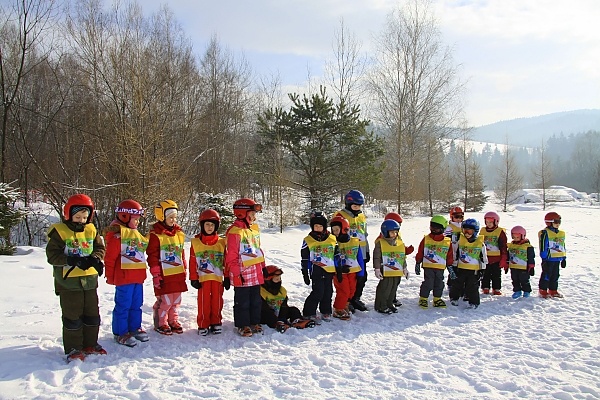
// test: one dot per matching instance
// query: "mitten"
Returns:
(531, 270)
(74, 261)
(226, 283)
(451, 272)
(157, 281)
(378, 274)
(86, 263)
(418, 268)
(563, 263)
(195, 283)
(305, 276)
(339, 276)
(97, 264)
(408, 250)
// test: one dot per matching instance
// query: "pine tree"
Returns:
(10, 216)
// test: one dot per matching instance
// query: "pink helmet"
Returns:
(493, 216)
(519, 230)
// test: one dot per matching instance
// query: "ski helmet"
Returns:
(342, 223)
(493, 216)
(552, 217)
(273, 271)
(242, 206)
(438, 221)
(318, 217)
(471, 223)
(519, 230)
(128, 209)
(395, 216)
(456, 212)
(77, 203)
(209, 215)
(387, 226)
(161, 208)
(354, 197)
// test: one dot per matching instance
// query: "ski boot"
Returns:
(439, 303)
(423, 302)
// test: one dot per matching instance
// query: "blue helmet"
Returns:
(389, 225)
(471, 223)
(354, 197)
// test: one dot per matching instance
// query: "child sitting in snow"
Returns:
(521, 262)
(275, 311)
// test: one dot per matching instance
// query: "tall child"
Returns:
(353, 202)
(207, 261)
(495, 241)
(553, 253)
(126, 269)
(244, 265)
(168, 265)
(75, 251)
(521, 257)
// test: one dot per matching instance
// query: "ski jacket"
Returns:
(166, 258)
(552, 244)
(435, 251)
(125, 259)
(244, 259)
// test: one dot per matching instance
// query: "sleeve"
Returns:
(450, 257)
(305, 257)
(377, 258)
(543, 245)
(336, 257)
(530, 256)
(232, 259)
(99, 247)
(502, 244)
(420, 251)
(484, 257)
(193, 265)
(55, 249)
(361, 261)
(112, 256)
(153, 253)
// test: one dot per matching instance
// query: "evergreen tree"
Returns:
(10, 216)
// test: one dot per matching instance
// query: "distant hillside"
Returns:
(530, 132)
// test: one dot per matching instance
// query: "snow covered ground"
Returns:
(528, 348)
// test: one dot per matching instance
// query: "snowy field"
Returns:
(506, 349)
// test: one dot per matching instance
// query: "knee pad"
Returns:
(91, 321)
(72, 324)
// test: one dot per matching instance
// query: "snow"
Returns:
(506, 349)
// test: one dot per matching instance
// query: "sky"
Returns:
(506, 349)
(520, 58)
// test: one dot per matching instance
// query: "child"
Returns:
(495, 241)
(470, 261)
(353, 202)
(75, 251)
(166, 258)
(553, 254)
(244, 264)
(389, 262)
(453, 232)
(351, 263)
(521, 257)
(319, 253)
(434, 255)
(275, 311)
(207, 259)
(126, 269)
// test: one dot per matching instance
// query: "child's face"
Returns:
(468, 233)
(355, 207)
(318, 228)
(134, 221)
(209, 227)
(489, 222)
(80, 217)
(171, 219)
(393, 234)
(458, 217)
(276, 278)
(336, 230)
(251, 217)
(516, 237)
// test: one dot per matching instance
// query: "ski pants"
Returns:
(344, 290)
(166, 309)
(246, 305)
(492, 274)
(361, 280)
(321, 294)
(210, 304)
(127, 314)
(286, 314)
(386, 292)
(80, 318)
(468, 280)
(433, 279)
(549, 276)
(520, 280)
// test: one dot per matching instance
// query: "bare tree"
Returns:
(510, 179)
(543, 173)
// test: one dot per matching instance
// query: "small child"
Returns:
(495, 241)
(319, 255)
(389, 262)
(207, 260)
(452, 231)
(521, 257)
(275, 311)
(126, 269)
(553, 253)
(168, 265)
(351, 264)
(75, 251)
(434, 255)
(470, 261)
(245, 267)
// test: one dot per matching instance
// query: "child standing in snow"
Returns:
(389, 262)
(275, 311)
(553, 253)
(244, 265)
(435, 256)
(471, 260)
(453, 232)
(75, 251)
(126, 269)
(351, 263)
(166, 258)
(319, 254)
(353, 202)
(521, 262)
(495, 241)
(207, 260)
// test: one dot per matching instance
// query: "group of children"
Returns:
(79, 255)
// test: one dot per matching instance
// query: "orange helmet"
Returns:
(75, 204)
(273, 271)
(552, 217)
(393, 215)
(342, 223)
(242, 206)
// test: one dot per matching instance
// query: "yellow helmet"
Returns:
(162, 207)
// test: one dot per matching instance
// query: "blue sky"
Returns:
(521, 58)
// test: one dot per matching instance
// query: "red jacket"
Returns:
(171, 283)
(112, 260)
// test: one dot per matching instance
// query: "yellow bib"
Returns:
(79, 244)
(171, 252)
(392, 258)
(210, 259)
(469, 253)
(322, 253)
(133, 249)
(435, 253)
(250, 251)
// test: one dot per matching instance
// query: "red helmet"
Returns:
(518, 230)
(127, 209)
(209, 215)
(342, 222)
(75, 203)
(493, 216)
(273, 271)
(242, 206)
(393, 215)
(456, 210)
(552, 217)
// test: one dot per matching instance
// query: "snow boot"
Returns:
(516, 294)
(544, 294)
(281, 327)
(396, 303)
(526, 294)
(245, 331)
(485, 291)
(75, 355)
(97, 349)
(341, 314)
(202, 331)
(387, 311)
(438, 302)
(126, 340)
(472, 306)
(257, 329)
(454, 302)
(176, 327)
(216, 329)
(303, 323)
(140, 335)
(394, 309)
(326, 317)
(359, 305)
(314, 319)
(497, 292)
(164, 330)
(423, 302)
(554, 293)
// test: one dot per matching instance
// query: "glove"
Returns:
(378, 274)
(418, 268)
(305, 276)
(157, 281)
(86, 262)
(563, 263)
(408, 250)
(75, 261)
(339, 276)
(226, 283)
(195, 283)
(531, 271)
(367, 258)
(345, 269)
(97, 264)
(451, 273)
